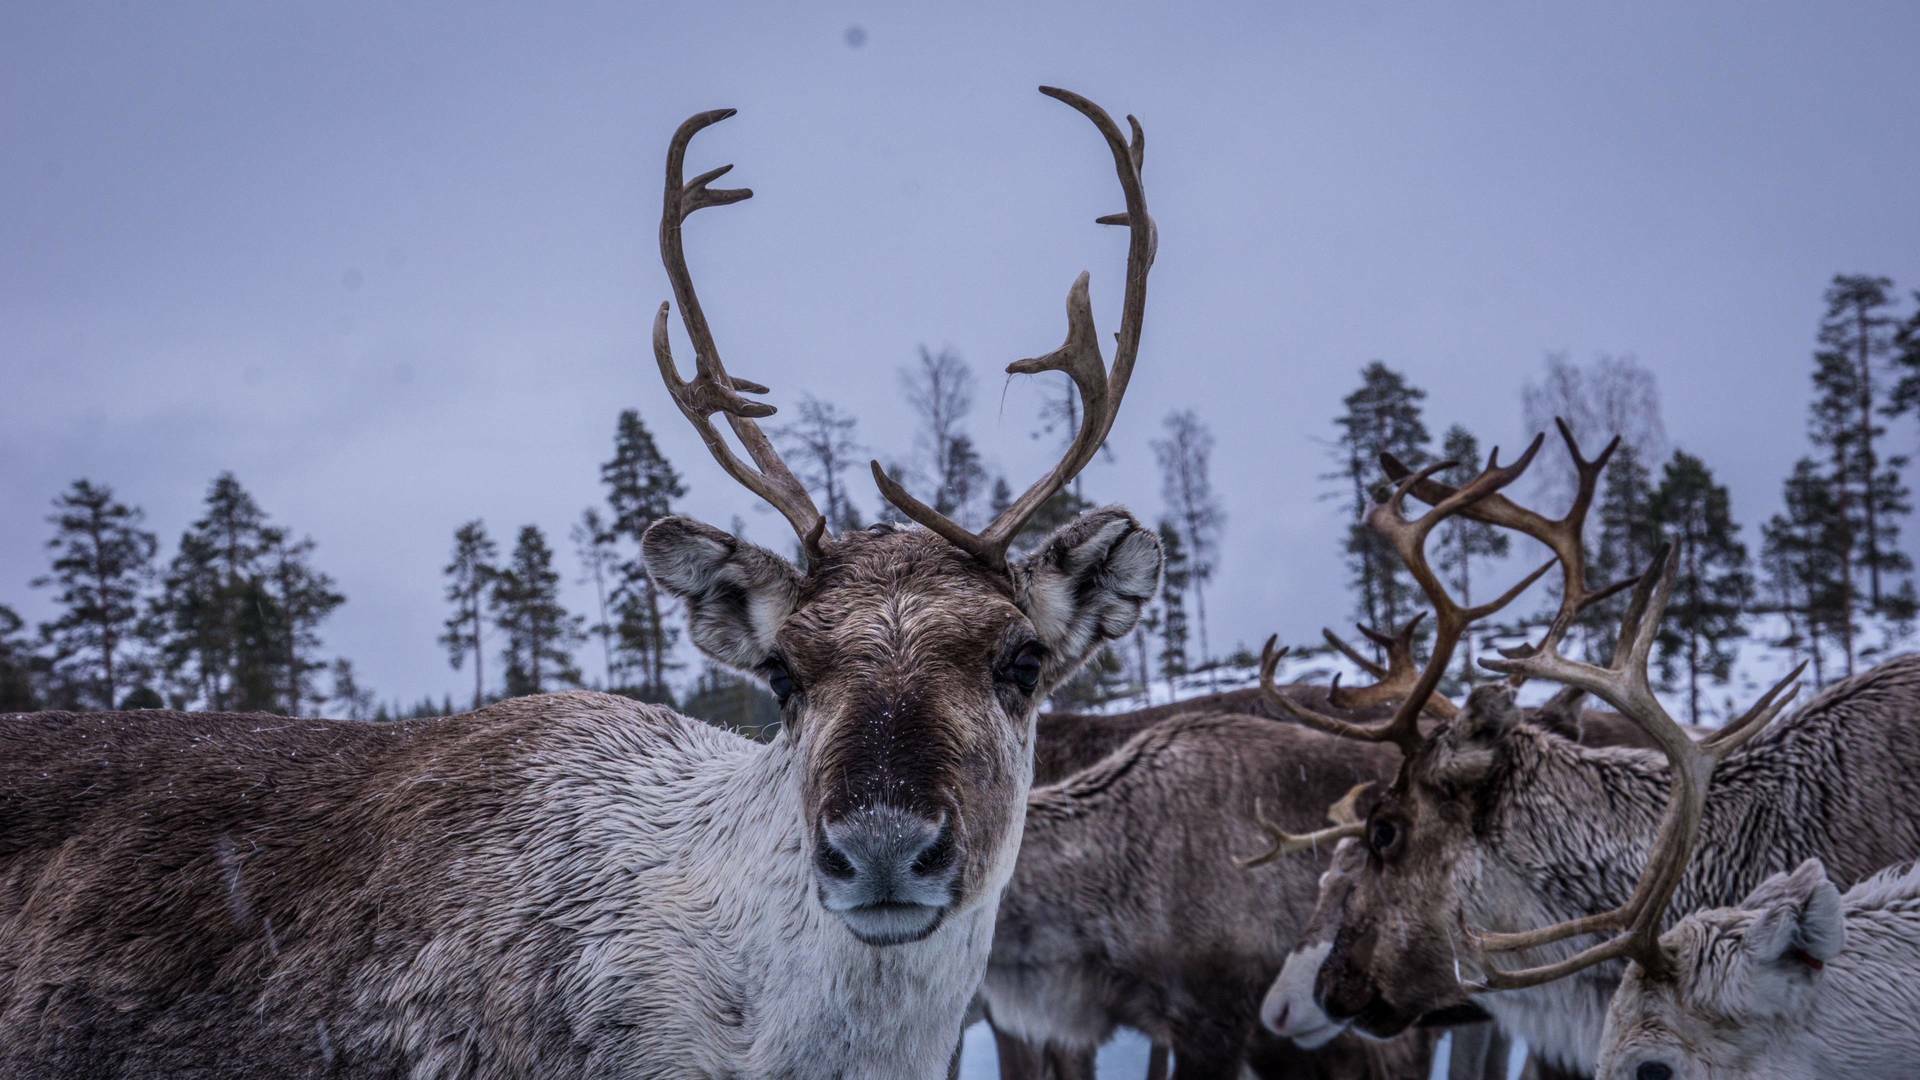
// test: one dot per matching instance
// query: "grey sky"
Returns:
(395, 267)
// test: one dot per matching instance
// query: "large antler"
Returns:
(712, 390)
(1564, 537)
(1100, 390)
(1624, 684)
(1393, 681)
(1345, 816)
(1452, 619)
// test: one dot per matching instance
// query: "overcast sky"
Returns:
(394, 265)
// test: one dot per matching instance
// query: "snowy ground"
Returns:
(1760, 663)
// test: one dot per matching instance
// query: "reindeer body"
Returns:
(1797, 982)
(1127, 907)
(558, 886)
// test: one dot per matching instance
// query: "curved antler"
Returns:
(1564, 537)
(712, 390)
(1625, 685)
(1393, 682)
(1345, 816)
(1079, 357)
(1409, 540)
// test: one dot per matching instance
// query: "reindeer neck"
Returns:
(819, 1002)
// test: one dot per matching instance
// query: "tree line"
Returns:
(1829, 559)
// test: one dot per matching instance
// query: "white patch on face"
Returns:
(1289, 1009)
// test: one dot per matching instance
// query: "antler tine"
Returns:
(1409, 540)
(1624, 683)
(1100, 389)
(1270, 657)
(1344, 814)
(1393, 682)
(712, 390)
(1563, 536)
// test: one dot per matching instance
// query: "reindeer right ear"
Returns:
(737, 595)
(1799, 924)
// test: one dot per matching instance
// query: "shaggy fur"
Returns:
(1505, 826)
(571, 885)
(1796, 983)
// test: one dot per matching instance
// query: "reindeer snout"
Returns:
(887, 872)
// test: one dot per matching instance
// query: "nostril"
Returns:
(938, 856)
(1280, 1018)
(830, 861)
(1653, 1070)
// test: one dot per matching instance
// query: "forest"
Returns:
(232, 616)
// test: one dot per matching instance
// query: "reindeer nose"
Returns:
(885, 855)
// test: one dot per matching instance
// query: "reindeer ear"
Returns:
(1465, 751)
(1086, 585)
(1799, 925)
(737, 595)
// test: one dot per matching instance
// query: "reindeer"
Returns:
(1796, 981)
(578, 885)
(1087, 942)
(1495, 822)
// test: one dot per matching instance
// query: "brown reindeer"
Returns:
(578, 885)
(1493, 822)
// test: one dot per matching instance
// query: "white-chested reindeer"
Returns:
(1796, 982)
(577, 885)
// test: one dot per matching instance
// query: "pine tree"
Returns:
(469, 575)
(540, 634)
(1906, 359)
(217, 643)
(1703, 620)
(1805, 556)
(16, 665)
(1382, 416)
(102, 567)
(1176, 575)
(641, 486)
(1462, 540)
(301, 599)
(822, 445)
(1855, 336)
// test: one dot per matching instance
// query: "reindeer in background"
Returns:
(579, 885)
(1492, 821)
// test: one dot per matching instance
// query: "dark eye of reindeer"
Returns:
(1653, 1070)
(779, 679)
(1382, 835)
(1024, 669)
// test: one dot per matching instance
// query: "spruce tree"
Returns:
(1702, 622)
(1855, 338)
(1626, 537)
(354, 701)
(216, 642)
(1804, 551)
(1176, 576)
(469, 575)
(641, 485)
(540, 634)
(1382, 416)
(1462, 540)
(593, 545)
(102, 568)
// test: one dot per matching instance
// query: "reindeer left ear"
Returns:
(1799, 924)
(1086, 585)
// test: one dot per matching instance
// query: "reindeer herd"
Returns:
(1287, 881)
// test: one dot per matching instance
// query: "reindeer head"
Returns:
(1388, 941)
(909, 663)
(1737, 986)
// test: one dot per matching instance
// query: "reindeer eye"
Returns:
(779, 679)
(1024, 669)
(1382, 835)
(1653, 1070)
